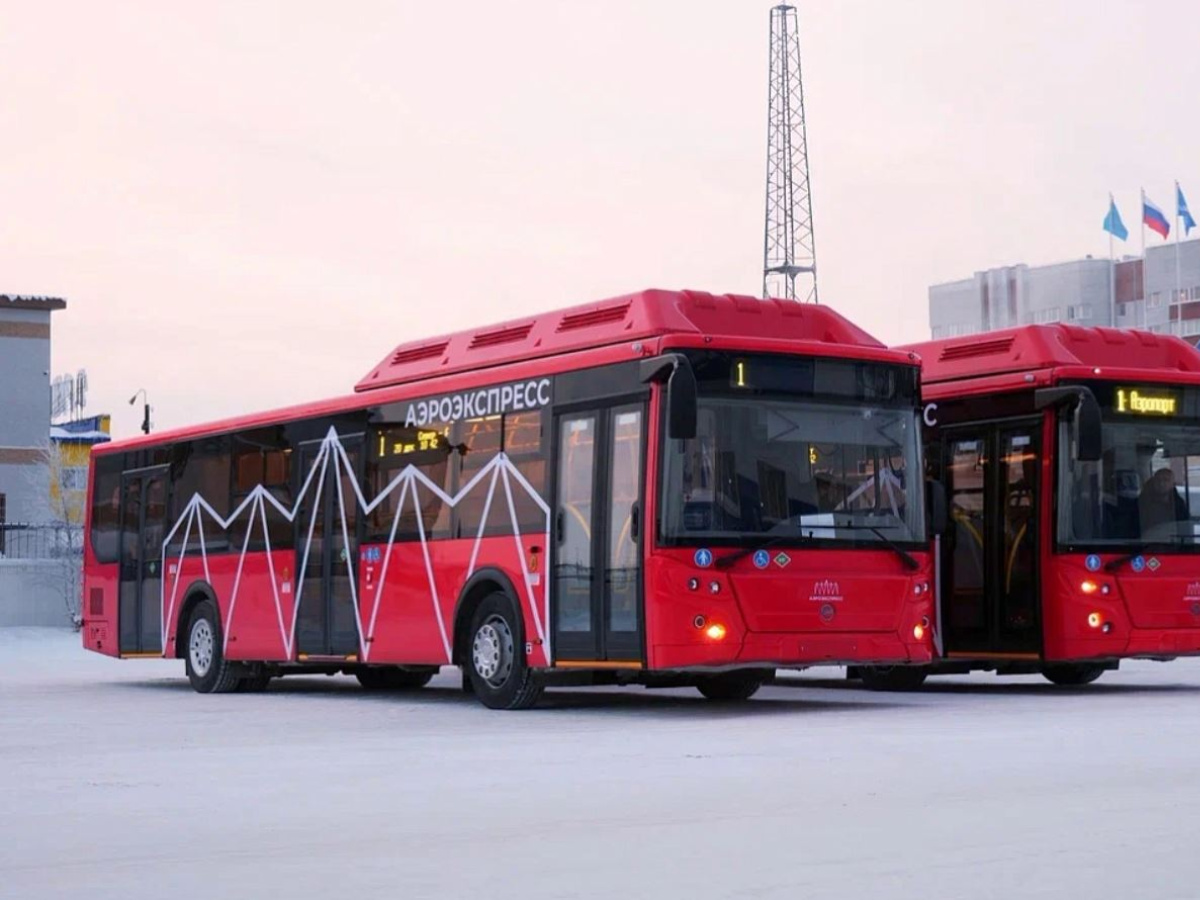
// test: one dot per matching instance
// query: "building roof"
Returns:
(19, 301)
(1032, 347)
(620, 320)
(65, 436)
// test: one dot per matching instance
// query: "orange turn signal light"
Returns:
(1095, 619)
(1089, 586)
(715, 631)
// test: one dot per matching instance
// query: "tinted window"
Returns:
(261, 458)
(393, 448)
(106, 505)
(200, 467)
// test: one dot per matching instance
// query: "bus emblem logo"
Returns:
(1137, 563)
(1092, 563)
(703, 558)
(826, 612)
(1152, 563)
(826, 591)
(782, 560)
(1193, 591)
(762, 559)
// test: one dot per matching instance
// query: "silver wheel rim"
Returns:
(200, 647)
(492, 651)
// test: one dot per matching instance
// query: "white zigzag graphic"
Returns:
(500, 468)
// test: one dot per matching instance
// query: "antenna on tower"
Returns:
(788, 247)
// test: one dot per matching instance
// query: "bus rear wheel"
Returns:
(392, 678)
(893, 678)
(255, 683)
(207, 669)
(500, 676)
(1072, 674)
(732, 687)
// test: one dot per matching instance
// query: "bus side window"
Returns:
(106, 505)
(524, 444)
(391, 450)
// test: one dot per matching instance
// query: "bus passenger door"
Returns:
(991, 590)
(143, 517)
(326, 574)
(597, 568)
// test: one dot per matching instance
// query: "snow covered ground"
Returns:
(116, 780)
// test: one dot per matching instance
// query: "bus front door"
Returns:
(597, 594)
(990, 586)
(327, 538)
(143, 518)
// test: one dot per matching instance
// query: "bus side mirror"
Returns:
(1087, 417)
(1087, 428)
(935, 501)
(681, 392)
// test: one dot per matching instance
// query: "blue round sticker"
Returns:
(1138, 563)
(762, 558)
(1092, 562)
(703, 558)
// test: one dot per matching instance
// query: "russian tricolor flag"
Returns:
(1153, 218)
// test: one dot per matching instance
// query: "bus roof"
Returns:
(632, 317)
(637, 317)
(1038, 347)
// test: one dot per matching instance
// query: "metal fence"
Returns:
(43, 541)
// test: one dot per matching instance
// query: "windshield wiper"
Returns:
(906, 557)
(1113, 564)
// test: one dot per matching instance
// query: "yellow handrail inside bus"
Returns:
(965, 520)
(584, 523)
(1012, 557)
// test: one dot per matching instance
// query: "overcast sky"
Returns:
(248, 204)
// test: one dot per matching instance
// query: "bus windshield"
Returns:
(1145, 489)
(834, 459)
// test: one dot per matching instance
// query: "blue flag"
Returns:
(1112, 222)
(1181, 205)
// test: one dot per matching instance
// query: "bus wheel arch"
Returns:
(479, 587)
(195, 594)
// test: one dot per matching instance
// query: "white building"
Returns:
(1160, 294)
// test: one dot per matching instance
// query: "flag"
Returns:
(1153, 218)
(1112, 222)
(1182, 210)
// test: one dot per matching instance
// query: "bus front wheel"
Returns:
(207, 669)
(1072, 674)
(732, 686)
(500, 676)
(893, 678)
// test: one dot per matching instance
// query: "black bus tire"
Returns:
(893, 678)
(500, 676)
(391, 678)
(733, 687)
(1072, 674)
(207, 669)
(254, 683)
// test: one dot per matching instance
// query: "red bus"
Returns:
(663, 488)
(1070, 460)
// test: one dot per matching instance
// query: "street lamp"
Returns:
(145, 408)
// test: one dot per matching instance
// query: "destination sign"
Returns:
(1146, 401)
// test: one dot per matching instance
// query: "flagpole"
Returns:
(1178, 283)
(1145, 298)
(1112, 278)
